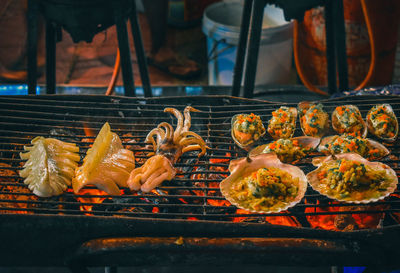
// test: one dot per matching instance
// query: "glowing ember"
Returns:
(23, 194)
(216, 192)
(344, 222)
(273, 220)
(290, 221)
(396, 215)
(93, 197)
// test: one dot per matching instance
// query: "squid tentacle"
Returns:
(188, 118)
(179, 117)
(184, 135)
(169, 130)
(150, 138)
(159, 167)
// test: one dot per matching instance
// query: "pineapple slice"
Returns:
(50, 166)
(106, 164)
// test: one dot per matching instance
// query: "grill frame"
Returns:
(40, 230)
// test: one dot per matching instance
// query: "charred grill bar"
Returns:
(186, 219)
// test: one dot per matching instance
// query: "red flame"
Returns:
(89, 133)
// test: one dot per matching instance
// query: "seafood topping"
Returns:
(106, 164)
(50, 166)
(168, 147)
(265, 188)
(382, 122)
(246, 129)
(289, 150)
(365, 147)
(347, 119)
(314, 121)
(264, 184)
(283, 122)
(351, 178)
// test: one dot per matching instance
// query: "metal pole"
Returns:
(241, 49)
(140, 54)
(123, 44)
(340, 38)
(32, 46)
(50, 58)
(254, 44)
(330, 46)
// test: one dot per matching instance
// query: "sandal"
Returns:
(176, 67)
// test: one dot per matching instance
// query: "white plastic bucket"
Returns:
(221, 25)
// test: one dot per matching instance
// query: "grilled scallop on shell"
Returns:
(243, 140)
(243, 167)
(287, 151)
(50, 166)
(382, 122)
(283, 122)
(367, 148)
(347, 119)
(314, 121)
(362, 195)
(106, 165)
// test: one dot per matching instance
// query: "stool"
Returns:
(83, 19)
(252, 18)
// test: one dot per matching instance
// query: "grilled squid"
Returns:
(106, 165)
(168, 145)
(50, 166)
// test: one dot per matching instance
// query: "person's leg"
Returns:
(162, 56)
(157, 16)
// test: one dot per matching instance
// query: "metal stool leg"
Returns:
(110, 269)
(140, 54)
(340, 38)
(330, 47)
(32, 46)
(123, 44)
(254, 44)
(50, 58)
(241, 49)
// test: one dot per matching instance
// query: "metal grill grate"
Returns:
(194, 193)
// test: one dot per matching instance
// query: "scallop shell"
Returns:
(371, 128)
(244, 166)
(372, 144)
(248, 145)
(293, 111)
(336, 124)
(305, 141)
(305, 105)
(319, 161)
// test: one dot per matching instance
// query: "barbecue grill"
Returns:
(186, 220)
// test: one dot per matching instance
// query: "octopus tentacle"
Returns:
(179, 117)
(188, 118)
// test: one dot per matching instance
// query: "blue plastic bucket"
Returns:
(221, 25)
